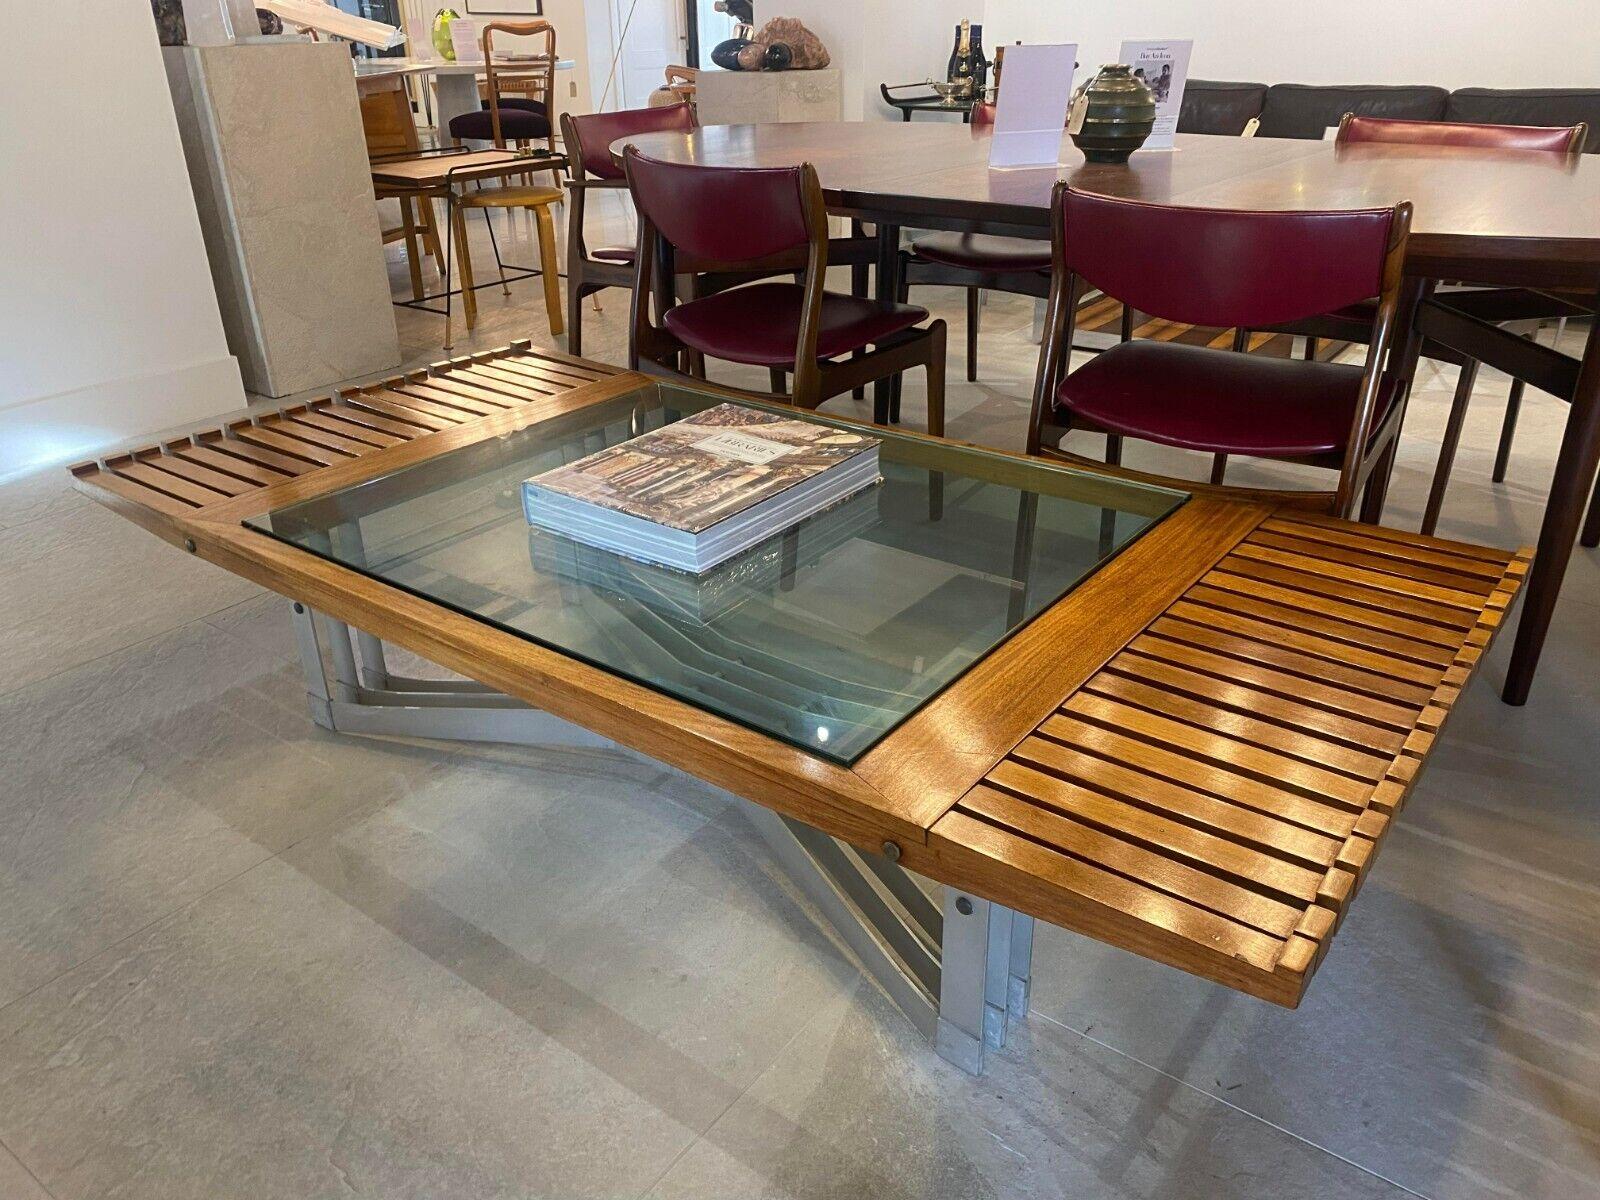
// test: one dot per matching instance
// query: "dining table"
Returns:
(1495, 218)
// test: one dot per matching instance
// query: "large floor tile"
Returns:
(16, 1181)
(581, 894)
(137, 782)
(37, 495)
(85, 582)
(859, 1106)
(272, 1041)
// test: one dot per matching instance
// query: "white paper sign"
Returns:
(1164, 68)
(464, 40)
(1031, 112)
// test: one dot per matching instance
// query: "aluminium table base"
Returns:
(960, 971)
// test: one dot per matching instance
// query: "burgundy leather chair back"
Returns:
(983, 113)
(1222, 267)
(597, 131)
(1554, 139)
(721, 214)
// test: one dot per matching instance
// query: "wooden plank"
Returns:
(541, 371)
(217, 481)
(1298, 743)
(160, 481)
(1474, 583)
(398, 431)
(1243, 865)
(240, 468)
(1133, 862)
(1202, 776)
(317, 436)
(1382, 581)
(458, 398)
(1269, 766)
(1317, 645)
(1398, 537)
(1271, 706)
(1336, 629)
(1078, 896)
(272, 439)
(1221, 817)
(1292, 687)
(1381, 602)
(1378, 548)
(235, 447)
(1324, 604)
(325, 420)
(1284, 658)
(411, 408)
(134, 493)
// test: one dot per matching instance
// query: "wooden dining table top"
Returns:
(1483, 216)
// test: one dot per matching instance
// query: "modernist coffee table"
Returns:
(1180, 724)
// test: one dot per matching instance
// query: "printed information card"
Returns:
(464, 41)
(1164, 69)
(1031, 112)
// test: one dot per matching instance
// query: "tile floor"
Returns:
(240, 957)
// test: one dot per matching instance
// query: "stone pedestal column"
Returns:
(272, 135)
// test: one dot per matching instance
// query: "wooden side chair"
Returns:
(517, 97)
(739, 219)
(1480, 302)
(1227, 269)
(587, 141)
(390, 130)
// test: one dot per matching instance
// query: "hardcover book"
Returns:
(698, 491)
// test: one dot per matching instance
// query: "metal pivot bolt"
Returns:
(188, 544)
(891, 851)
(964, 906)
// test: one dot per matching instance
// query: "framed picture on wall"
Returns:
(504, 8)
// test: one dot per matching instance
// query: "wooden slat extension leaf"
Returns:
(1215, 794)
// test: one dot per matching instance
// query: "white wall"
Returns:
(108, 322)
(1451, 43)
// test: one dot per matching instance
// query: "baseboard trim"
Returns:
(89, 421)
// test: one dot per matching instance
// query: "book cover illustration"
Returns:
(705, 468)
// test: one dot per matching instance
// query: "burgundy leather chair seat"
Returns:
(760, 324)
(1217, 400)
(621, 254)
(516, 124)
(983, 252)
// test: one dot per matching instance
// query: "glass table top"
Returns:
(827, 635)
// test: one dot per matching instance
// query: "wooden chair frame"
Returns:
(1364, 464)
(545, 76)
(656, 351)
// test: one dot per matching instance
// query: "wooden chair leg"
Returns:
(413, 250)
(430, 231)
(1219, 468)
(1377, 489)
(775, 376)
(574, 315)
(1125, 328)
(936, 355)
(548, 273)
(974, 307)
(1447, 447)
(1113, 449)
(469, 298)
(1311, 349)
(1508, 431)
(1591, 525)
(697, 364)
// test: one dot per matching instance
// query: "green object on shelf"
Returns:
(441, 33)
(1120, 114)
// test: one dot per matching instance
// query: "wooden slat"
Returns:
(135, 493)
(398, 431)
(1472, 583)
(1133, 862)
(452, 397)
(1382, 581)
(1334, 628)
(235, 447)
(412, 408)
(1378, 548)
(239, 467)
(160, 481)
(217, 481)
(1399, 537)
(316, 436)
(1285, 658)
(272, 439)
(1322, 603)
(1307, 579)
(324, 420)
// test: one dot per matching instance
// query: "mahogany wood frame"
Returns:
(1367, 457)
(653, 348)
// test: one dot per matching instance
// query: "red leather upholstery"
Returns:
(1551, 139)
(983, 252)
(760, 324)
(516, 125)
(983, 114)
(721, 214)
(597, 132)
(1219, 401)
(1221, 267)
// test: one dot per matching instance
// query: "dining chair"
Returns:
(587, 141)
(1228, 269)
(1557, 140)
(517, 98)
(737, 219)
